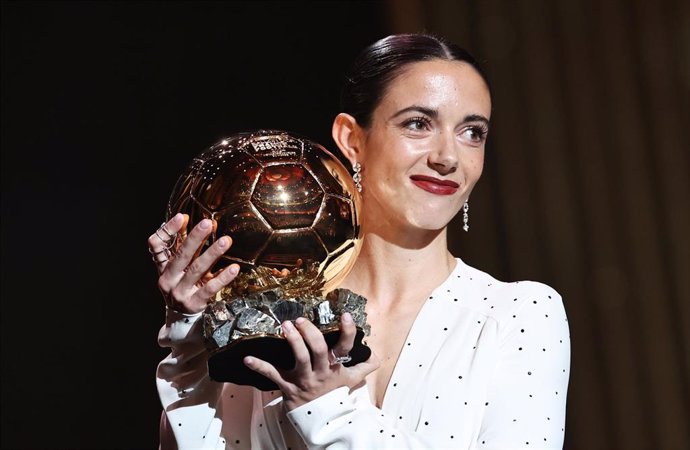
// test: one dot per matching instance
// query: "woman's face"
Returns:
(424, 150)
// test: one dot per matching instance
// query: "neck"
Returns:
(399, 265)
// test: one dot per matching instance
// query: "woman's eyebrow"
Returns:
(433, 113)
(476, 118)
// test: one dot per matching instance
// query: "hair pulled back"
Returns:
(378, 64)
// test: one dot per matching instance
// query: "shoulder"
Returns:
(509, 303)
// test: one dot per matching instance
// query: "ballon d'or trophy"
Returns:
(292, 211)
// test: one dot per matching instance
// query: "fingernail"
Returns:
(222, 242)
(347, 317)
(205, 224)
(288, 327)
(234, 270)
(248, 360)
(300, 320)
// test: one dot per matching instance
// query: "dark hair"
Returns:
(378, 64)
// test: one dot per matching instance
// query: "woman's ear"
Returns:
(347, 136)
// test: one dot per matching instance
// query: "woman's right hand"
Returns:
(184, 274)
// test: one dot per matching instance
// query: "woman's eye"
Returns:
(417, 124)
(475, 134)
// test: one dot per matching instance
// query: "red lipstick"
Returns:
(435, 185)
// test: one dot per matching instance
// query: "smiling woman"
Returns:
(460, 359)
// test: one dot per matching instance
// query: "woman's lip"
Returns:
(434, 185)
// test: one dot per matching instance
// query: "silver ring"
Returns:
(166, 253)
(340, 359)
(170, 240)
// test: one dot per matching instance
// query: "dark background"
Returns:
(585, 186)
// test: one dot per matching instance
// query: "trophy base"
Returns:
(226, 364)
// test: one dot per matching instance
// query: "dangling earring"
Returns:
(465, 216)
(357, 177)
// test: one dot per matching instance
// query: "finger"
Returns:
(314, 339)
(158, 242)
(359, 372)
(348, 331)
(185, 254)
(201, 265)
(266, 369)
(202, 297)
(299, 348)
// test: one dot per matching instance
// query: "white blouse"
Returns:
(485, 366)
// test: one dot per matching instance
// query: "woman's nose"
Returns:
(444, 157)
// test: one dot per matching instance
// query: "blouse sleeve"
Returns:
(192, 416)
(527, 395)
(336, 421)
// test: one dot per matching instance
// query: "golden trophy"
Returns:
(292, 210)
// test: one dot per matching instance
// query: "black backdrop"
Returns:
(103, 104)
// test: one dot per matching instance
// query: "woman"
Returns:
(461, 360)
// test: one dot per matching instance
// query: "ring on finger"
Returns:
(340, 359)
(169, 241)
(166, 255)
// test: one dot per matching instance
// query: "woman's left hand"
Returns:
(315, 373)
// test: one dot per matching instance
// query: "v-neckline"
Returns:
(411, 333)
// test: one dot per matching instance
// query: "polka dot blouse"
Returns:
(485, 366)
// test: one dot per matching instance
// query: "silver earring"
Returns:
(357, 177)
(465, 216)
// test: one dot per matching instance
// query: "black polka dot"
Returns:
(535, 302)
(529, 373)
(519, 348)
(445, 328)
(392, 435)
(485, 298)
(380, 431)
(400, 417)
(451, 436)
(261, 425)
(459, 377)
(455, 299)
(522, 331)
(179, 424)
(426, 423)
(514, 299)
(237, 441)
(486, 404)
(186, 321)
(308, 412)
(465, 402)
(395, 384)
(437, 395)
